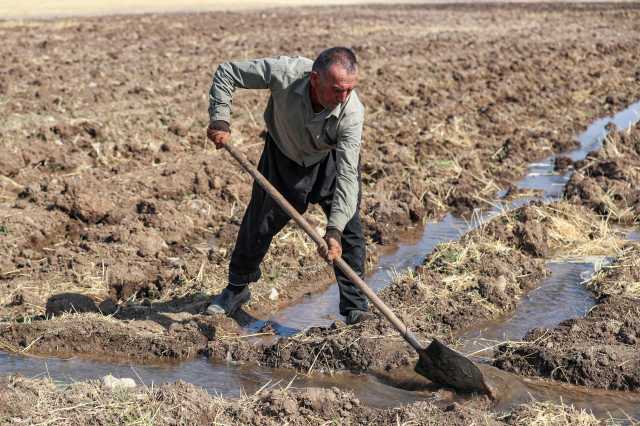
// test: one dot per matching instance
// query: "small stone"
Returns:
(111, 382)
(217, 183)
(274, 294)
(501, 284)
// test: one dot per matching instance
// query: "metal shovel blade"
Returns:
(447, 367)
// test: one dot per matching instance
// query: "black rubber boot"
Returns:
(228, 301)
(355, 316)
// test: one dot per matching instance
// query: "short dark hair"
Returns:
(336, 55)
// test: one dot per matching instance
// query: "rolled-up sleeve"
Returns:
(345, 197)
(253, 74)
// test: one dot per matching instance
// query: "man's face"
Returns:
(334, 86)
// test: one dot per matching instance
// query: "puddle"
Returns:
(560, 297)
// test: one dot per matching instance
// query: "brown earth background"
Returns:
(115, 207)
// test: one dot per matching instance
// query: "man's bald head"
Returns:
(342, 56)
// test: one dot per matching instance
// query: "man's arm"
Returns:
(345, 197)
(253, 74)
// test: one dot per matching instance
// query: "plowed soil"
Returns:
(109, 188)
(110, 191)
(608, 180)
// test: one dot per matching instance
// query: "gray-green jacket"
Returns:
(301, 135)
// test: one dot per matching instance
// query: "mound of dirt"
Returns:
(70, 303)
(542, 230)
(608, 180)
(599, 350)
(88, 403)
(103, 337)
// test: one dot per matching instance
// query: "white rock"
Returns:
(113, 382)
(274, 294)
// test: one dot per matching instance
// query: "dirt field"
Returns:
(111, 190)
(117, 217)
(65, 8)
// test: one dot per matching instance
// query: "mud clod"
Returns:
(607, 180)
(68, 303)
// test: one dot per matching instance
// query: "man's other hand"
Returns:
(333, 249)
(219, 133)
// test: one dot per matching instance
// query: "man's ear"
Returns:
(314, 78)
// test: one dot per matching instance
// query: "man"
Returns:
(314, 125)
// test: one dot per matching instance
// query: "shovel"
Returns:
(436, 362)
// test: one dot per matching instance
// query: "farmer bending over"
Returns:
(311, 155)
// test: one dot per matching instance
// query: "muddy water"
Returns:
(622, 407)
(560, 297)
(227, 379)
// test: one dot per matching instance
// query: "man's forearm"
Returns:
(345, 196)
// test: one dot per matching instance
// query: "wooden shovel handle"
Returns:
(339, 262)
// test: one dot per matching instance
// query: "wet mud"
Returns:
(607, 180)
(599, 350)
(98, 336)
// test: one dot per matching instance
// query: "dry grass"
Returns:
(569, 230)
(551, 414)
(576, 232)
(622, 277)
(460, 262)
(29, 401)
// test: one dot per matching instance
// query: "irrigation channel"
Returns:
(561, 296)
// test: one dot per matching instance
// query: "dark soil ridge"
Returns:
(599, 350)
(608, 180)
(103, 338)
(110, 178)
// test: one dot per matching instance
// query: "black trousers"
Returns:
(263, 219)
